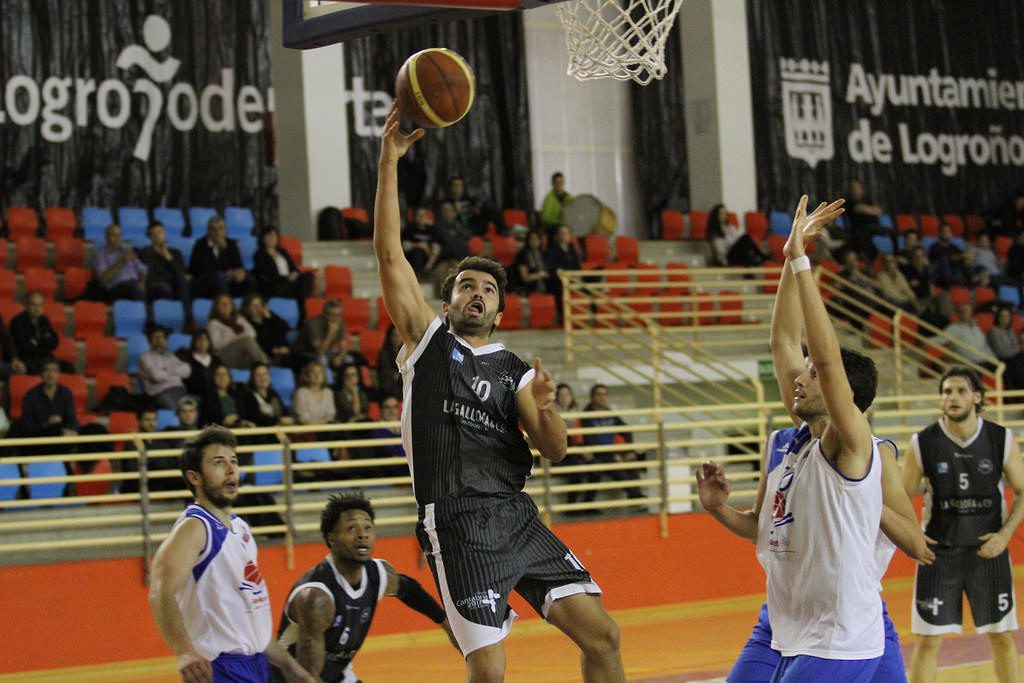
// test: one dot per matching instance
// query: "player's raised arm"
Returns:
(313, 610)
(848, 435)
(402, 294)
(787, 322)
(536, 404)
(172, 569)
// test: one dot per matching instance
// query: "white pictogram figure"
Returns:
(156, 33)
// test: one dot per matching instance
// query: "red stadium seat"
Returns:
(337, 282)
(383, 317)
(67, 351)
(30, 252)
(627, 250)
(511, 317)
(704, 306)
(41, 280)
(8, 285)
(514, 217)
(959, 295)
(975, 224)
(355, 312)
(123, 422)
(880, 331)
(775, 244)
(75, 281)
(596, 249)
(504, 249)
(93, 487)
(55, 311)
(905, 222)
(68, 252)
(929, 225)
(79, 390)
(18, 385)
(730, 308)
(90, 320)
(756, 224)
(982, 295)
(105, 379)
(22, 221)
(60, 222)
(698, 225)
(370, 343)
(8, 309)
(101, 354)
(476, 245)
(1002, 246)
(314, 306)
(543, 311)
(985, 321)
(292, 245)
(956, 222)
(672, 224)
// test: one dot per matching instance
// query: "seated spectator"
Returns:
(216, 264)
(166, 277)
(352, 402)
(862, 216)
(201, 360)
(947, 260)
(418, 243)
(730, 244)
(10, 364)
(313, 403)
(1008, 217)
(599, 402)
(48, 408)
(472, 212)
(321, 337)
(275, 271)
(271, 330)
(893, 286)
(233, 338)
(260, 403)
(911, 241)
(935, 309)
(859, 281)
(531, 268)
(119, 272)
(34, 337)
(973, 344)
(161, 372)
(390, 411)
(565, 402)
(1005, 344)
(145, 419)
(563, 254)
(975, 275)
(554, 200)
(1014, 261)
(389, 379)
(986, 258)
(187, 412)
(220, 406)
(451, 234)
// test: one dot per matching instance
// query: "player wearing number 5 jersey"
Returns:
(465, 398)
(963, 460)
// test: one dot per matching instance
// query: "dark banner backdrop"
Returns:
(489, 148)
(923, 101)
(135, 102)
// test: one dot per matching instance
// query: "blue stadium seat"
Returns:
(272, 478)
(182, 244)
(165, 418)
(240, 375)
(177, 340)
(198, 217)
(247, 248)
(960, 243)
(201, 311)
(135, 346)
(170, 313)
(841, 222)
(1010, 294)
(9, 471)
(312, 455)
(927, 243)
(172, 219)
(46, 469)
(283, 381)
(129, 317)
(288, 309)
(95, 220)
(240, 221)
(885, 220)
(780, 222)
(882, 243)
(132, 219)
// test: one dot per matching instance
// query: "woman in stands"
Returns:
(730, 244)
(1005, 343)
(271, 330)
(260, 403)
(276, 273)
(531, 267)
(351, 398)
(220, 406)
(201, 359)
(389, 379)
(233, 338)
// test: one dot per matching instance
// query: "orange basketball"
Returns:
(435, 87)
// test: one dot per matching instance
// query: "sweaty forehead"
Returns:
(475, 276)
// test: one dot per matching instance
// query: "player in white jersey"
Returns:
(208, 596)
(817, 531)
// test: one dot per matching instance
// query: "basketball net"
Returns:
(622, 39)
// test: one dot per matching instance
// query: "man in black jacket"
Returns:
(34, 337)
(166, 277)
(216, 264)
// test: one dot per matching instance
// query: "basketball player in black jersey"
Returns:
(963, 460)
(465, 398)
(329, 610)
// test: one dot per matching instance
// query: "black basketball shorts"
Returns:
(939, 590)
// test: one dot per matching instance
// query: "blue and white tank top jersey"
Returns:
(817, 540)
(225, 605)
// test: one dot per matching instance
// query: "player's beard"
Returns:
(218, 496)
(957, 418)
(810, 410)
(466, 326)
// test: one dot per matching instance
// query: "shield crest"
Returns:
(807, 110)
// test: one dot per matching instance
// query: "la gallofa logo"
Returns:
(65, 103)
(807, 110)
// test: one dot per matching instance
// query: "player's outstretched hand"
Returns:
(542, 386)
(712, 486)
(194, 669)
(807, 227)
(394, 144)
(993, 546)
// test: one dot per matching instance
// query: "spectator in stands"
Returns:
(233, 338)
(10, 364)
(145, 420)
(220, 406)
(313, 403)
(730, 244)
(599, 402)
(565, 402)
(973, 343)
(911, 241)
(118, 270)
(216, 264)
(321, 338)
(893, 285)
(854, 272)
(260, 403)
(471, 211)
(531, 267)
(563, 254)
(34, 337)
(201, 360)
(975, 275)
(862, 216)
(271, 330)
(947, 259)
(1008, 218)
(451, 234)
(936, 309)
(276, 273)
(351, 398)
(187, 412)
(161, 372)
(389, 379)
(390, 411)
(554, 200)
(166, 276)
(418, 243)
(48, 408)
(1014, 264)
(986, 258)
(1005, 344)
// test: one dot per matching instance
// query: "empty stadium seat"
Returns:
(41, 280)
(882, 243)
(90, 319)
(22, 221)
(476, 245)
(30, 252)
(370, 343)
(9, 471)
(543, 311)
(198, 218)
(780, 223)
(9, 308)
(956, 222)
(172, 218)
(135, 346)
(595, 250)
(68, 252)
(511, 317)
(101, 354)
(201, 308)
(514, 217)
(337, 282)
(672, 224)
(270, 477)
(129, 317)
(314, 306)
(93, 487)
(627, 250)
(288, 309)
(60, 222)
(1010, 294)
(240, 221)
(177, 340)
(318, 454)
(730, 307)
(122, 422)
(283, 381)
(504, 249)
(756, 224)
(975, 224)
(885, 220)
(45, 470)
(905, 222)
(355, 312)
(292, 245)
(165, 418)
(982, 295)
(698, 226)
(240, 375)
(67, 351)
(133, 221)
(75, 279)
(182, 244)
(8, 284)
(169, 313)
(247, 245)
(95, 220)
(105, 379)
(929, 225)
(58, 316)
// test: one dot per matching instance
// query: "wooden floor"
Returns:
(666, 644)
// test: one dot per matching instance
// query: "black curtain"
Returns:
(489, 148)
(659, 137)
(150, 141)
(906, 145)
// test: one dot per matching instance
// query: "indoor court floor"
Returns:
(666, 644)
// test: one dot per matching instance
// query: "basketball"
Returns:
(435, 87)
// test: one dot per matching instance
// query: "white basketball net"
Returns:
(623, 39)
